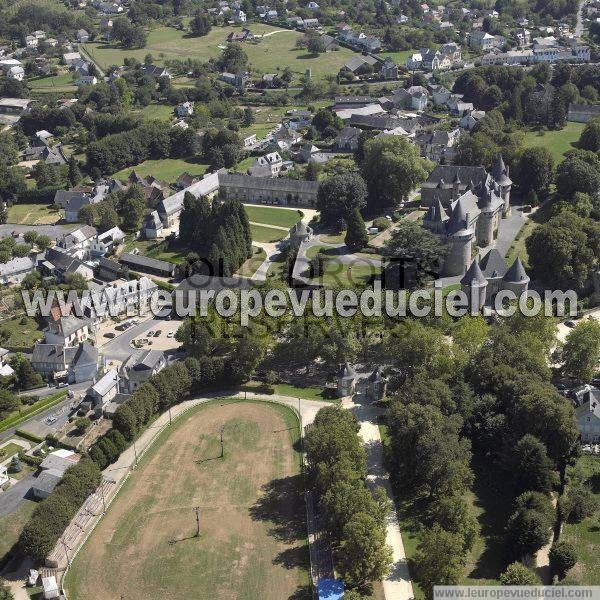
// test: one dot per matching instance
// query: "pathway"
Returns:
(579, 25)
(397, 585)
(272, 250)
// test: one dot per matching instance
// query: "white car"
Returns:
(171, 334)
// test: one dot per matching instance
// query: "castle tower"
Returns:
(456, 187)
(516, 278)
(474, 285)
(436, 218)
(501, 177)
(460, 241)
(485, 223)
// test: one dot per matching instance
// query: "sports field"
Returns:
(269, 54)
(252, 515)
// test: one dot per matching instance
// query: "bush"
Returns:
(381, 223)
(563, 557)
(578, 504)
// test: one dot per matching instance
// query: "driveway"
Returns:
(119, 348)
(11, 499)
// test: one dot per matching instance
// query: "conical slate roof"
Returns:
(492, 264)
(500, 172)
(436, 212)
(346, 371)
(458, 218)
(474, 276)
(516, 273)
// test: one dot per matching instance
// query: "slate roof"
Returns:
(493, 265)
(477, 175)
(436, 213)
(346, 371)
(104, 385)
(254, 183)
(473, 276)
(516, 273)
(139, 261)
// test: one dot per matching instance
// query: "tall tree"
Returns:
(339, 195)
(356, 235)
(581, 351)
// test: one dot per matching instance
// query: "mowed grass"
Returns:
(262, 233)
(23, 332)
(280, 217)
(33, 214)
(585, 535)
(558, 142)
(11, 526)
(249, 267)
(252, 540)
(165, 169)
(49, 83)
(270, 54)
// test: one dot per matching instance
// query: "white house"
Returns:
(17, 73)
(86, 80)
(67, 331)
(15, 270)
(185, 109)
(587, 413)
(70, 58)
(5, 369)
(239, 16)
(83, 36)
(104, 243)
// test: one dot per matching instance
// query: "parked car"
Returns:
(570, 324)
(157, 333)
(150, 333)
(50, 420)
(110, 335)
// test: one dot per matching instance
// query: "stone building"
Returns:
(346, 381)
(375, 385)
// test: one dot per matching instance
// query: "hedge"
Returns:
(32, 410)
(29, 436)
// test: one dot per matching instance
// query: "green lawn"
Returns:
(166, 169)
(249, 267)
(156, 249)
(34, 214)
(281, 217)
(268, 55)
(52, 83)
(9, 450)
(585, 535)
(342, 274)
(161, 112)
(24, 332)
(244, 165)
(262, 233)
(11, 526)
(313, 392)
(558, 142)
(398, 57)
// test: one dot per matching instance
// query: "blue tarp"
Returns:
(331, 589)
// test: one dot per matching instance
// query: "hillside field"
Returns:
(270, 54)
(252, 540)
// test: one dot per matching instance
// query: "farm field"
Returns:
(252, 540)
(262, 233)
(268, 55)
(164, 169)
(280, 217)
(558, 142)
(584, 535)
(33, 214)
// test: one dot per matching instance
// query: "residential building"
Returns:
(138, 368)
(586, 400)
(239, 16)
(238, 80)
(69, 58)
(102, 392)
(51, 471)
(484, 41)
(67, 331)
(269, 165)
(152, 226)
(582, 113)
(5, 369)
(185, 109)
(389, 69)
(76, 364)
(145, 264)
(14, 271)
(86, 80)
(58, 263)
(156, 71)
(347, 139)
(83, 36)
(77, 240)
(106, 242)
(438, 146)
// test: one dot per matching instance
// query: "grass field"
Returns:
(165, 169)
(11, 526)
(558, 142)
(252, 518)
(33, 214)
(268, 55)
(162, 112)
(584, 535)
(53, 83)
(262, 233)
(249, 267)
(9, 450)
(23, 330)
(280, 217)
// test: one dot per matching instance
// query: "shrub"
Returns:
(381, 223)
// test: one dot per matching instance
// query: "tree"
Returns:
(356, 235)
(81, 424)
(440, 559)
(133, 208)
(581, 351)
(326, 119)
(535, 171)
(200, 24)
(575, 175)
(26, 378)
(590, 136)
(5, 593)
(518, 574)
(128, 34)
(339, 195)
(529, 466)
(412, 245)
(315, 44)
(365, 556)
(125, 421)
(579, 503)
(9, 402)
(527, 531)
(392, 168)
(3, 213)
(74, 174)
(233, 59)
(563, 557)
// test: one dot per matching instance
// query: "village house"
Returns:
(77, 364)
(269, 165)
(5, 369)
(586, 400)
(185, 109)
(138, 368)
(15, 270)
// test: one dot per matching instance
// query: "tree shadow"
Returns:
(302, 593)
(282, 507)
(293, 558)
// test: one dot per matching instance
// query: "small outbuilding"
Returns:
(50, 587)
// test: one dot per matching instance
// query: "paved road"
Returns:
(579, 25)
(15, 496)
(53, 231)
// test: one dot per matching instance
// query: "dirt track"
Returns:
(252, 543)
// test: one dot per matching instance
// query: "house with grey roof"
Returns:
(152, 226)
(67, 331)
(102, 392)
(76, 364)
(51, 471)
(15, 270)
(586, 400)
(78, 239)
(145, 264)
(139, 368)
(58, 263)
(347, 139)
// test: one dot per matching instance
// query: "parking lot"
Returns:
(160, 337)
